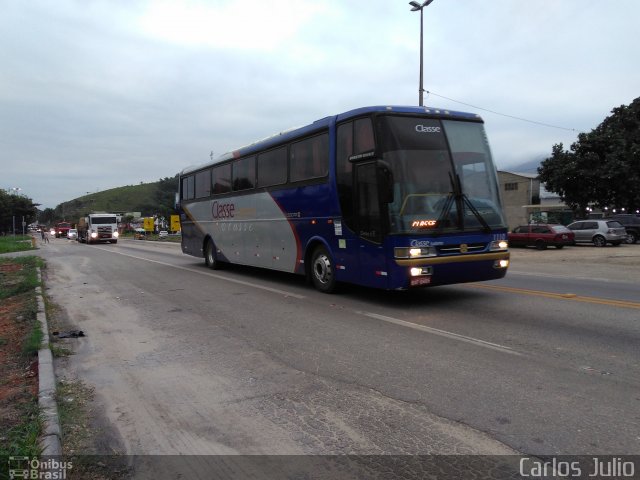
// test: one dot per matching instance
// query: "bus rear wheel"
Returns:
(322, 271)
(210, 258)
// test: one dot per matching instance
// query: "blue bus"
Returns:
(390, 197)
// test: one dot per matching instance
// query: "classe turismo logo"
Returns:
(425, 129)
(222, 210)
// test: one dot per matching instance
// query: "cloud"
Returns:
(248, 26)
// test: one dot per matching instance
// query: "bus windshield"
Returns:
(444, 177)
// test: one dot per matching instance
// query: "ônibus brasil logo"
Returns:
(38, 469)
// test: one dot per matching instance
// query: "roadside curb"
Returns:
(51, 438)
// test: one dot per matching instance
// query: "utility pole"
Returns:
(417, 6)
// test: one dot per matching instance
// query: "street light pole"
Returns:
(15, 191)
(417, 6)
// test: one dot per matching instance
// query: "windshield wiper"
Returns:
(478, 215)
(460, 200)
(446, 208)
(444, 213)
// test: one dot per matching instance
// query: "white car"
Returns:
(163, 234)
(72, 234)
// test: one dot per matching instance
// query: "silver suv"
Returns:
(600, 232)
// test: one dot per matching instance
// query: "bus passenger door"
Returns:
(369, 226)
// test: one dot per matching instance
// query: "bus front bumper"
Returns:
(444, 270)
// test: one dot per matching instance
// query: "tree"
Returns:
(603, 167)
(165, 196)
(47, 216)
(13, 208)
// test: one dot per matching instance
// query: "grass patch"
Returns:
(20, 422)
(22, 438)
(19, 243)
(18, 275)
(33, 341)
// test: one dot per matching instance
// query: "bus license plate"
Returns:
(415, 282)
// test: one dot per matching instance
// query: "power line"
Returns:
(503, 114)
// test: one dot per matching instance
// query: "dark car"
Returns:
(541, 235)
(631, 224)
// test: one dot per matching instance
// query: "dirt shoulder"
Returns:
(621, 263)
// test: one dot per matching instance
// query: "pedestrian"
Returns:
(45, 237)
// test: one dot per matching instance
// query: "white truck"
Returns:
(98, 227)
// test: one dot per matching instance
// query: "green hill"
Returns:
(147, 198)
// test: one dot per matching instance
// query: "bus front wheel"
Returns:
(210, 258)
(322, 271)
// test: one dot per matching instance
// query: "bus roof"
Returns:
(325, 122)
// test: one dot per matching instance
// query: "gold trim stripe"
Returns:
(473, 257)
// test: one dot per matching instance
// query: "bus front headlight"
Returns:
(115, 234)
(414, 252)
(499, 246)
(419, 271)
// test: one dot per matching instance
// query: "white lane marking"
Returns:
(443, 333)
(209, 274)
(396, 321)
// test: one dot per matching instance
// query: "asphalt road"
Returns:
(192, 361)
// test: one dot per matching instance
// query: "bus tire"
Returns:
(210, 258)
(323, 270)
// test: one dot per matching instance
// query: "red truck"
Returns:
(62, 229)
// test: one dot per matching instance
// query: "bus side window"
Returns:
(297, 160)
(364, 140)
(309, 158)
(188, 189)
(272, 167)
(244, 173)
(203, 184)
(320, 147)
(221, 179)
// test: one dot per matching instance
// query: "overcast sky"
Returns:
(98, 94)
